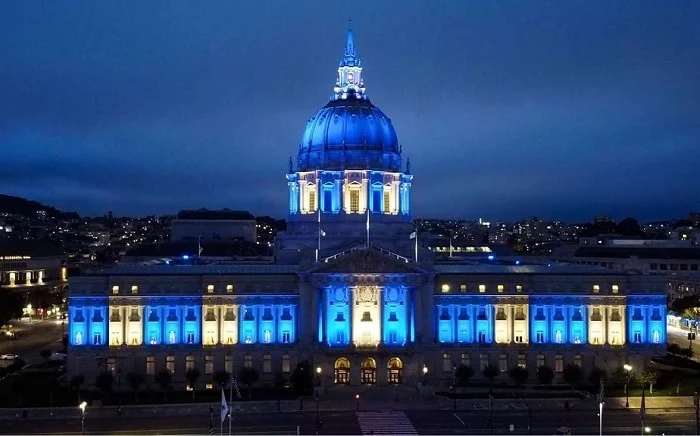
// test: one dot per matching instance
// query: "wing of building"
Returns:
(352, 290)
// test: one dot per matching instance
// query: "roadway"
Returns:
(32, 337)
(428, 422)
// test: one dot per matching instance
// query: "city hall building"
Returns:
(352, 290)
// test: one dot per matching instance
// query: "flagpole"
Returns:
(318, 247)
(416, 249)
(450, 243)
(368, 226)
(230, 403)
(642, 411)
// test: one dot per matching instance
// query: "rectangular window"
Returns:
(354, 200)
(170, 364)
(228, 364)
(267, 336)
(522, 360)
(664, 266)
(392, 337)
(267, 364)
(559, 363)
(466, 360)
(653, 266)
(134, 289)
(112, 365)
(210, 289)
(596, 289)
(518, 339)
(693, 266)
(500, 289)
(229, 289)
(446, 362)
(615, 289)
(189, 363)
(327, 200)
(483, 361)
(286, 364)
(578, 360)
(190, 338)
(519, 288)
(482, 289)
(115, 290)
(637, 337)
(150, 365)
(312, 200)
(97, 339)
(209, 365)
(674, 267)
(463, 288)
(445, 288)
(540, 360)
(286, 336)
(539, 337)
(387, 201)
(503, 363)
(248, 361)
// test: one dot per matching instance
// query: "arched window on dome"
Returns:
(309, 198)
(353, 198)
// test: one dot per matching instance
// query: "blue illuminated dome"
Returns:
(349, 132)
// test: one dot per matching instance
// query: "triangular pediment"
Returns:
(368, 261)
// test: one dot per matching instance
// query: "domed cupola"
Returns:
(349, 133)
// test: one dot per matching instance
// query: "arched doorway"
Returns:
(341, 370)
(395, 370)
(369, 371)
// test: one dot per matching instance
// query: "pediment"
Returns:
(367, 261)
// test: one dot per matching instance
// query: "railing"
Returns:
(364, 247)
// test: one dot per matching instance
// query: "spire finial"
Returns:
(350, 44)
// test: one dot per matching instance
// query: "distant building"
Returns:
(683, 285)
(213, 225)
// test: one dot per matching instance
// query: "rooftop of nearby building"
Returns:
(500, 268)
(190, 248)
(221, 214)
(30, 248)
(193, 269)
(691, 253)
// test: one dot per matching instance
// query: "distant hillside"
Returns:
(28, 208)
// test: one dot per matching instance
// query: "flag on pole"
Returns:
(199, 246)
(413, 235)
(224, 406)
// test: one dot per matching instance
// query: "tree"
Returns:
(490, 371)
(75, 383)
(192, 375)
(674, 349)
(462, 375)
(545, 375)
(687, 353)
(45, 353)
(572, 375)
(648, 377)
(629, 227)
(135, 381)
(597, 376)
(279, 381)
(164, 377)
(222, 378)
(519, 374)
(248, 376)
(104, 382)
(303, 378)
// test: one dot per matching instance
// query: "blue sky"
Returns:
(558, 109)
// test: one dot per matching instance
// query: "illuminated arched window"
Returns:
(369, 371)
(395, 370)
(341, 371)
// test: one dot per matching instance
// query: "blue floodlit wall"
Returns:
(395, 308)
(173, 332)
(248, 316)
(464, 319)
(192, 325)
(558, 319)
(337, 303)
(152, 325)
(267, 324)
(287, 324)
(87, 321)
(646, 319)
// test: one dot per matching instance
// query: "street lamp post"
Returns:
(318, 376)
(425, 374)
(357, 400)
(628, 370)
(82, 406)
